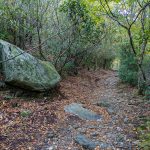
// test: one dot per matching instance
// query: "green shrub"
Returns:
(145, 87)
(8, 97)
(25, 113)
(147, 93)
(100, 57)
(128, 70)
(144, 134)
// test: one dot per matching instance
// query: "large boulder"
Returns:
(23, 70)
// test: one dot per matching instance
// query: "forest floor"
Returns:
(28, 123)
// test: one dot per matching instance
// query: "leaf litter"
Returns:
(41, 123)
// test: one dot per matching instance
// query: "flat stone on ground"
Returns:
(81, 112)
(88, 143)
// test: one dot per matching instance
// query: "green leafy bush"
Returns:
(128, 70)
(147, 93)
(144, 134)
(145, 86)
(25, 113)
(99, 59)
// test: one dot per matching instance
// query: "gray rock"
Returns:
(93, 127)
(26, 71)
(2, 85)
(82, 130)
(46, 147)
(126, 120)
(81, 112)
(119, 129)
(120, 137)
(50, 148)
(103, 104)
(110, 111)
(94, 134)
(51, 135)
(88, 143)
(75, 126)
(85, 142)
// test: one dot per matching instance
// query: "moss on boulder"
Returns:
(26, 71)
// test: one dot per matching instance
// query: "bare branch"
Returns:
(34, 48)
(140, 11)
(111, 15)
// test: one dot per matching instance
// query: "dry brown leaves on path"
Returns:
(41, 123)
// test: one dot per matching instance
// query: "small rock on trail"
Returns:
(90, 144)
(81, 112)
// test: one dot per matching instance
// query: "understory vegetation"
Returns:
(91, 34)
(73, 34)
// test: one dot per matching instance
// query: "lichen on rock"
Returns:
(26, 71)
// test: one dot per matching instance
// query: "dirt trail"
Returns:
(49, 127)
